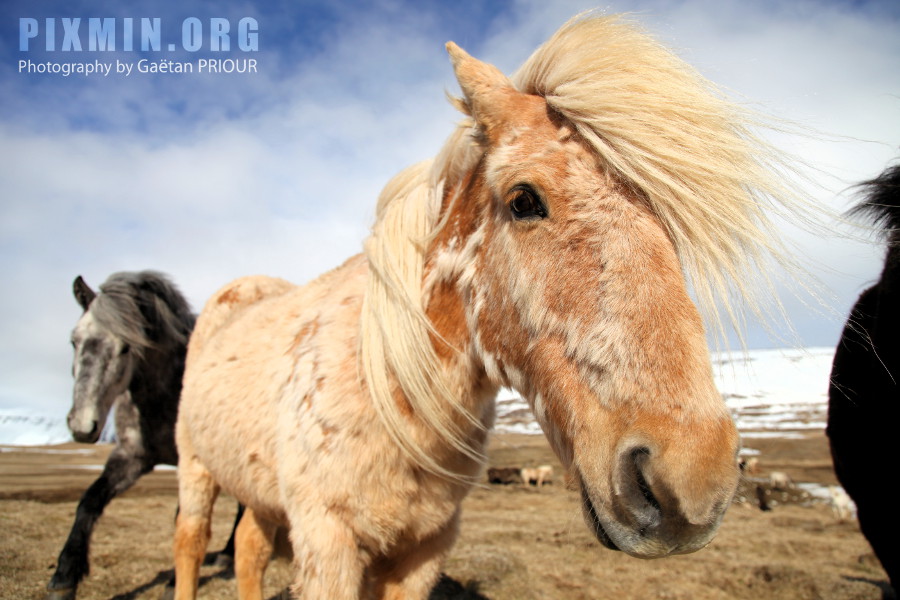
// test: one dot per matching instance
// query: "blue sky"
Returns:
(212, 176)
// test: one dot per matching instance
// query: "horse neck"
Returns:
(891, 270)
(157, 377)
(452, 254)
(473, 391)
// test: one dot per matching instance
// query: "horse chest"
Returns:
(366, 483)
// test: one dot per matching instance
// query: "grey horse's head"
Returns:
(102, 367)
(136, 319)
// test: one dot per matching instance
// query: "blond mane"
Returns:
(667, 132)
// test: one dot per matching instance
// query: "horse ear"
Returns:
(83, 293)
(488, 92)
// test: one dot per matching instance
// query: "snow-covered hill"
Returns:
(19, 428)
(769, 392)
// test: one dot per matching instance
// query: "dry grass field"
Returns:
(517, 542)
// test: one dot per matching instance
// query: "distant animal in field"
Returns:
(864, 392)
(553, 246)
(762, 499)
(129, 345)
(504, 475)
(841, 504)
(780, 480)
(750, 466)
(538, 475)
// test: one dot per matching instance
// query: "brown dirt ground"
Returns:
(517, 542)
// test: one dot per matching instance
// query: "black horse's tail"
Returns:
(881, 203)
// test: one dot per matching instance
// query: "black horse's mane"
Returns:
(145, 309)
(881, 203)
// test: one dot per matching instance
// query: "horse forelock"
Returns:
(673, 138)
(144, 309)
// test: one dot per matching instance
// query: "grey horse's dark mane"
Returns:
(145, 309)
(881, 203)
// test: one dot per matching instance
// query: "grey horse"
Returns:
(130, 345)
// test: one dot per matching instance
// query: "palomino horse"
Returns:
(543, 250)
(864, 395)
(130, 346)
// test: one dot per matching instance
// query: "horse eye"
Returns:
(526, 204)
(125, 349)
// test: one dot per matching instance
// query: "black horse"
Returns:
(130, 345)
(864, 395)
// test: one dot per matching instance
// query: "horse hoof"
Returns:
(224, 561)
(61, 594)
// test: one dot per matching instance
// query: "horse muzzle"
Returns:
(642, 515)
(84, 431)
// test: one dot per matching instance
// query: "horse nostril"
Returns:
(639, 457)
(641, 503)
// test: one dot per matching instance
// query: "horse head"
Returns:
(102, 367)
(574, 295)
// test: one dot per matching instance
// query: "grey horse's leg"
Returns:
(225, 557)
(125, 465)
(119, 474)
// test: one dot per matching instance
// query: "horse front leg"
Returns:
(197, 492)
(225, 557)
(327, 559)
(118, 475)
(413, 574)
(254, 540)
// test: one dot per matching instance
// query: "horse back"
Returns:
(263, 346)
(230, 301)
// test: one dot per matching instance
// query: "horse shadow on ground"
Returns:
(447, 588)
(167, 578)
(887, 592)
